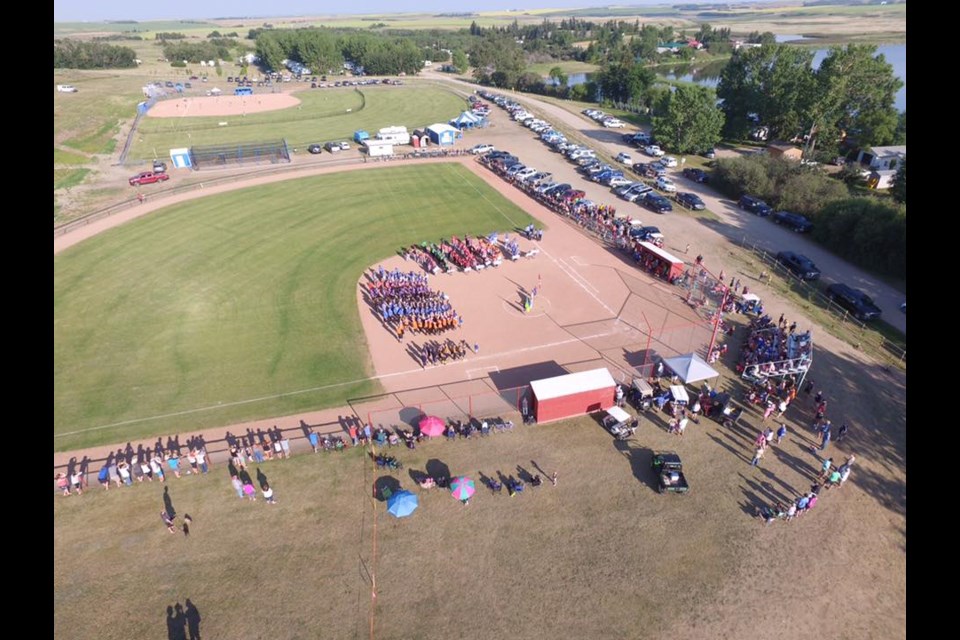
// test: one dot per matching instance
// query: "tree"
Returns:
(900, 133)
(460, 60)
(558, 76)
(776, 83)
(689, 120)
(899, 188)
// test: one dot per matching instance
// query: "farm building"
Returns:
(784, 150)
(882, 179)
(572, 394)
(442, 134)
(376, 148)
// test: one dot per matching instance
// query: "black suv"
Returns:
(697, 175)
(755, 205)
(855, 301)
(795, 221)
(691, 201)
(656, 202)
(800, 265)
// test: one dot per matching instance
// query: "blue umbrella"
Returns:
(402, 503)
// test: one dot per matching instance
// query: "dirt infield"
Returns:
(222, 105)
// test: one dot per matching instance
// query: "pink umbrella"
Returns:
(431, 426)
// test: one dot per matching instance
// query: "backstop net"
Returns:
(222, 155)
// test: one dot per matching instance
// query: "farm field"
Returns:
(601, 555)
(324, 114)
(241, 296)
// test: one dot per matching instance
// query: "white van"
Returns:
(66, 88)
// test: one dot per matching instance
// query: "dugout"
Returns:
(572, 394)
(214, 156)
(658, 262)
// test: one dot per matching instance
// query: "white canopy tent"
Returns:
(690, 368)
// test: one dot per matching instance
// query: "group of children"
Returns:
(406, 303)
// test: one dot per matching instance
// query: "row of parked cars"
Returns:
(611, 122)
(794, 221)
(331, 147)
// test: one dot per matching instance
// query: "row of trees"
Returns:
(196, 51)
(326, 50)
(851, 93)
(79, 54)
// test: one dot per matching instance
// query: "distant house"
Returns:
(740, 44)
(784, 150)
(883, 158)
(694, 44)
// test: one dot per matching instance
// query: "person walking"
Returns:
(314, 442)
(237, 485)
(844, 474)
(553, 479)
(686, 249)
(825, 468)
(757, 455)
(202, 460)
(268, 494)
(353, 434)
(842, 432)
(768, 436)
(781, 432)
(825, 439)
(104, 477)
(168, 521)
(63, 483)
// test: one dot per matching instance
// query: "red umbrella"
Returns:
(431, 426)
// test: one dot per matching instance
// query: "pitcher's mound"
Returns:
(222, 105)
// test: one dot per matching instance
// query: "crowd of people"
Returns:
(433, 352)
(405, 303)
(774, 349)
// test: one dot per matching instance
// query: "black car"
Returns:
(697, 175)
(656, 202)
(644, 233)
(691, 201)
(794, 221)
(755, 205)
(800, 265)
(855, 301)
(315, 148)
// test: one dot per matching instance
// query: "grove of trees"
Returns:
(850, 94)
(79, 54)
(688, 120)
(325, 50)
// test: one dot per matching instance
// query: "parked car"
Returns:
(188, 85)
(669, 161)
(315, 149)
(618, 181)
(613, 123)
(755, 205)
(664, 184)
(641, 138)
(637, 192)
(697, 175)
(159, 166)
(800, 265)
(332, 147)
(855, 301)
(656, 202)
(710, 154)
(653, 150)
(669, 470)
(148, 177)
(691, 201)
(645, 233)
(794, 221)
(344, 146)
(624, 158)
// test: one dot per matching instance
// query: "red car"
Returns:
(148, 177)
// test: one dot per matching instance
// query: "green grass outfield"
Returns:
(239, 296)
(324, 114)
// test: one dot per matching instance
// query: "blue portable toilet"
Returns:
(360, 136)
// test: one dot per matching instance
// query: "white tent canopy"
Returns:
(690, 368)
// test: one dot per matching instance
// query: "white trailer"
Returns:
(376, 148)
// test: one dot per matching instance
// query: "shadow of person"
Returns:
(176, 623)
(168, 503)
(261, 478)
(524, 475)
(193, 621)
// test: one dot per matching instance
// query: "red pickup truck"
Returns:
(148, 177)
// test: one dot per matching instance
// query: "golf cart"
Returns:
(749, 303)
(641, 394)
(670, 471)
(620, 423)
(723, 410)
